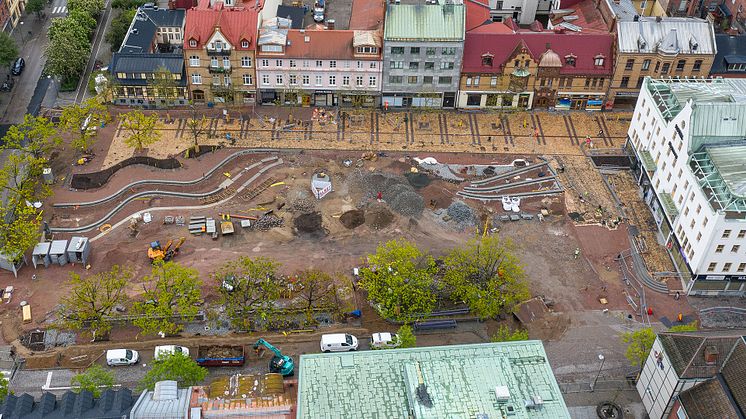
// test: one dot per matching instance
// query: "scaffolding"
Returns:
(724, 184)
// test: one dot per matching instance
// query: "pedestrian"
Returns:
(677, 296)
(576, 253)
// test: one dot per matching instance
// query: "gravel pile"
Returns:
(396, 190)
(267, 222)
(408, 203)
(462, 214)
(302, 205)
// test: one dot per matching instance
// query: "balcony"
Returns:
(219, 52)
(219, 70)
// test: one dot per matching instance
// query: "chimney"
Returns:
(330, 24)
(636, 18)
(658, 19)
(711, 355)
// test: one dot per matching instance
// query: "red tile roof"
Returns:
(494, 27)
(236, 24)
(322, 45)
(584, 46)
(589, 17)
(477, 14)
(367, 14)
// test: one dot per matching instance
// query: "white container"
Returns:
(506, 203)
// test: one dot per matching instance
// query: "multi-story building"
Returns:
(219, 48)
(151, 49)
(423, 49)
(528, 69)
(522, 11)
(660, 47)
(688, 138)
(318, 67)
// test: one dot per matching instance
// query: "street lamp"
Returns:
(602, 359)
(23, 41)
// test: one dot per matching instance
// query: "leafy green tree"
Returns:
(4, 391)
(92, 7)
(35, 6)
(85, 20)
(21, 176)
(68, 50)
(74, 116)
(406, 336)
(8, 49)
(176, 366)
(504, 334)
(164, 86)
(198, 126)
(486, 275)
(19, 228)
(118, 29)
(93, 299)
(315, 288)
(142, 129)
(689, 327)
(36, 136)
(94, 379)
(399, 280)
(171, 290)
(639, 344)
(248, 290)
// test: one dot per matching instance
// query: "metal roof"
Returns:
(113, 404)
(431, 382)
(720, 172)
(672, 35)
(425, 22)
(147, 407)
(146, 63)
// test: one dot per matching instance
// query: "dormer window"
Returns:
(193, 43)
(598, 60)
(487, 60)
(367, 50)
(570, 60)
(244, 44)
(641, 43)
(218, 45)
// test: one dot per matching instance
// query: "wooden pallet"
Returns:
(258, 189)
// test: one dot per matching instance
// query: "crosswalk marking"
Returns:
(59, 10)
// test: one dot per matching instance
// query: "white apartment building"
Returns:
(688, 138)
(319, 67)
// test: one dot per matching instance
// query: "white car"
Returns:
(165, 350)
(338, 342)
(121, 357)
(384, 340)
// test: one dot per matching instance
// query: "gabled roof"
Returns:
(425, 22)
(294, 14)
(585, 47)
(113, 404)
(477, 14)
(708, 400)
(730, 49)
(367, 14)
(165, 17)
(686, 351)
(323, 44)
(146, 63)
(235, 24)
(671, 35)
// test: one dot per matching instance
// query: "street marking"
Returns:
(59, 10)
(49, 381)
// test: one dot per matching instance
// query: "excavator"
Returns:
(157, 253)
(279, 363)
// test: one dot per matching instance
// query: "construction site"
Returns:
(324, 194)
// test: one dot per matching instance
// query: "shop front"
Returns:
(412, 100)
(624, 99)
(579, 101)
(360, 100)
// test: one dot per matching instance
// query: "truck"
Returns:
(221, 356)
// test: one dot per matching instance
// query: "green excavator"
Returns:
(279, 363)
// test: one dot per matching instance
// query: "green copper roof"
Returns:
(424, 22)
(458, 381)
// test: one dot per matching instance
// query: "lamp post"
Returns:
(602, 359)
(23, 40)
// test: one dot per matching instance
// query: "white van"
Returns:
(338, 342)
(384, 340)
(121, 357)
(166, 350)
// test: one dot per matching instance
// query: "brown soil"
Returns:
(378, 216)
(309, 223)
(353, 219)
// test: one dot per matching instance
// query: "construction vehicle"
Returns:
(279, 363)
(157, 253)
(221, 355)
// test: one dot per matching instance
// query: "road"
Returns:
(98, 40)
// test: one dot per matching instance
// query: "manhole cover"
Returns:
(609, 410)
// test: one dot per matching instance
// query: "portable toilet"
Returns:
(78, 250)
(58, 252)
(40, 255)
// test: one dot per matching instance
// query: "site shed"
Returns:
(58, 252)
(40, 254)
(78, 250)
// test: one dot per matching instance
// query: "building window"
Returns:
(293, 79)
(345, 80)
(292, 64)
(194, 61)
(245, 61)
(372, 81)
(719, 249)
(227, 80)
(726, 267)
(445, 80)
(666, 67)
(372, 64)
(741, 267)
(278, 63)
(319, 80)
(265, 63)
(735, 248)
(359, 64)
(395, 79)
(446, 65)
(359, 81)
(712, 267)
(726, 234)
(413, 65)
(412, 79)
(333, 64)
(429, 51)
(640, 80)
(216, 80)
(493, 81)
(598, 60)
(742, 234)
(699, 236)
(570, 60)
(476, 81)
(448, 51)
(646, 65)
(244, 44)
(278, 79)
(196, 79)
(697, 65)
(487, 60)
(214, 62)
(265, 79)
(306, 64)
(226, 62)
(630, 64)
(429, 65)
(306, 80)
(332, 80)
(625, 82)
(397, 50)
(680, 65)
(192, 43)
(468, 82)
(414, 50)
(367, 50)
(427, 80)
(319, 63)
(396, 64)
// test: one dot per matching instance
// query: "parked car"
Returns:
(166, 350)
(18, 66)
(338, 342)
(384, 340)
(121, 357)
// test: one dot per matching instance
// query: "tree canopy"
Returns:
(36, 136)
(95, 379)
(4, 391)
(248, 289)
(35, 6)
(170, 290)
(504, 334)
(8, 48)
(689, 327)
(74, 116)
(399, 280)
(142, 129)
(639, 343)
(85, 20)
(176, 366)
(118, 28)
(486, 275)
(19, 228)
(93, 299)
(68, 50)
(92, 7)
(164, 85)
(406, 337)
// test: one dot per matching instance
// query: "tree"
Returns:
(399, 280)
(84, 19)
(176, 366)
(248, 290)
(4, 391)
(68, 50)
(93, 299)
(198, 126)
(315, 288)
(92, 7)
(94, 379)
(118, 29)
(142, 129)
(504, 334)
(36, 136)
(35, 6)
(21, 176)
(19, 228)
(689, 327)
(171, 290)
(406, 337)
(74, 116)
(639, 344)
(486, 275)
(164, 85)
(8, 49)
